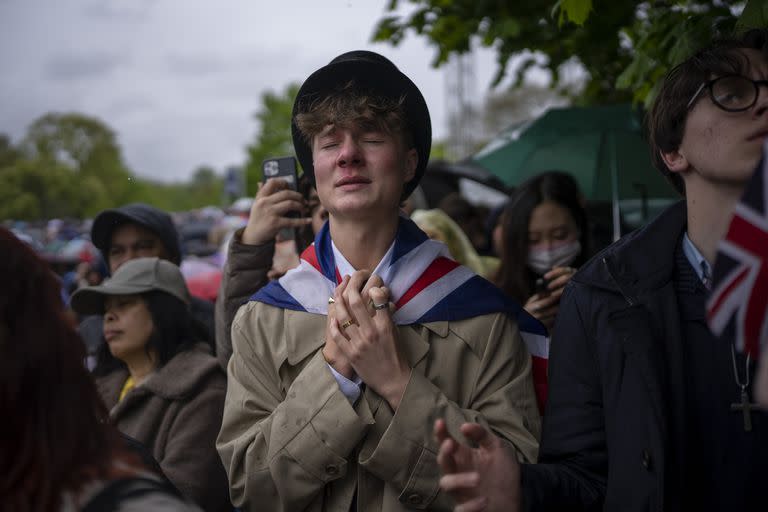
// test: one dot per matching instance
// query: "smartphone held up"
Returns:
(542, 287)
(283, 168)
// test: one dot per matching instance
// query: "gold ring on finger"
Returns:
(346, 324)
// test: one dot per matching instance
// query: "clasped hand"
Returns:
(364, 340)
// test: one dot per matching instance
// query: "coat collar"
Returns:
(183, 373)
(641, 261)
(177, 379)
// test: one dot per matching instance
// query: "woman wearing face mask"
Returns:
(545, 238)
(157, 377)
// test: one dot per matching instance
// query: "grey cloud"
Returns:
(78, 66)
(246, 60)
(241, 76)
(133, 11)
(195, 65)
(130, 105)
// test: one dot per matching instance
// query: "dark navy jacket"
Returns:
(614, 419)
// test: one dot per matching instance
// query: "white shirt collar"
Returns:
(346, 268)
(698, 262)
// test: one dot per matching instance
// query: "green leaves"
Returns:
(661, 38)
(575, 11)
(626, 46)
(754, 15)
(274, 133)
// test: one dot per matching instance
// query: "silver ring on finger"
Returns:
(380, 306)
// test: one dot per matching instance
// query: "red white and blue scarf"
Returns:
(425, 284)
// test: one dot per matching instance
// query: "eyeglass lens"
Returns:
(734, 92)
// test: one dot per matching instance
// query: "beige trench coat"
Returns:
(291, 441)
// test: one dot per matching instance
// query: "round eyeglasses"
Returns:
(732, 93)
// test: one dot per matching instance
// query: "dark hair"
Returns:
(666, 119)
(175, 330)
(55, 438)
(469, 217)
(349, 104)
(459, 209)
(513, 275)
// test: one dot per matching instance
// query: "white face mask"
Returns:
(542, 261)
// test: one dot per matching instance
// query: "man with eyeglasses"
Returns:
(646, 408)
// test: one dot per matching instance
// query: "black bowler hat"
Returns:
(373, 73)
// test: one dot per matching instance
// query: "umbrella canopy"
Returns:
(476, 183)
(193, 267)
(205, 286)
(602, 147)
(79, 249)
(202, 277)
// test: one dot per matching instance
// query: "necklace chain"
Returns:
(743, 385)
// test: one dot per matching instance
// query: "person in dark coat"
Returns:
(132, 231)
(161, 385)
(647, 410)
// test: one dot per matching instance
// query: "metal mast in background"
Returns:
(461, 114)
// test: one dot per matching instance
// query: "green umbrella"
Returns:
(602, 147)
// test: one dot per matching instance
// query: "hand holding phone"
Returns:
(277, 206)
(285, 169)
(542, 287)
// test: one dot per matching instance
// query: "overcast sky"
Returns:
(179, 80)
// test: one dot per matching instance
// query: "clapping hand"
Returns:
(484, 478)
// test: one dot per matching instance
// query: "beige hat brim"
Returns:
(90, 299)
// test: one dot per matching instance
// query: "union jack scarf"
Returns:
(425, 285)
(737, 309)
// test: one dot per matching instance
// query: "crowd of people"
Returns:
(388, 356)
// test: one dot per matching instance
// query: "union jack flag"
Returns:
(425, 283)
(737, 309)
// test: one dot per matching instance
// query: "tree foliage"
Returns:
(83, 150)
(70, 165)
(273, 138)
(625, 45)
